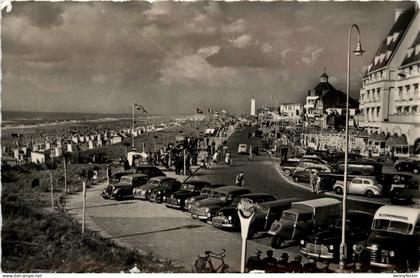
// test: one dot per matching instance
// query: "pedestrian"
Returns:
(250, 152)
(283, 263)
(295, 265)
(313, 178)
(255, 262)
(227, 158)
(239, 181)
(270, 262)
(310, 266)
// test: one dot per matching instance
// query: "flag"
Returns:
(198, 111)
(139, 107)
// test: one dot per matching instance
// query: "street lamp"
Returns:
(359, 51)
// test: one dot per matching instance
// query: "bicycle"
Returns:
(204, 263)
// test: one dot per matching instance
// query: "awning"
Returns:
(396, 140)
(377, 137)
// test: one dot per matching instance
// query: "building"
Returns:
(323, 99)
(39, 157)
(291, 111)
(252, 106)
(390, 97)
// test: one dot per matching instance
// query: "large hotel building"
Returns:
(390, 97)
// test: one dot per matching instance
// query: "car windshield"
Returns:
(214, 195)
(188, 187)
(125, 180)
(289, 216)
(392, 226)
(205, 191)
(223, 196)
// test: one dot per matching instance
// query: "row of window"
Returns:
(406, 109)
(371, 95)
(408, 92)
(371, 113)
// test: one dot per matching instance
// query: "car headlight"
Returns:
(209, 215)
(331, 247)
(229, 218)
(164, 198)
(159, 192)
(391, 253)
(178, 201)
(374, 247)
(302, 242)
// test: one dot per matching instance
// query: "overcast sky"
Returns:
(174, 56)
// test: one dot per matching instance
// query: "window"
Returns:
(414, 109)
(357, 181)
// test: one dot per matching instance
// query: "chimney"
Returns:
(398, 12)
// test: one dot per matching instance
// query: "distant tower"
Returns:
(252, 106)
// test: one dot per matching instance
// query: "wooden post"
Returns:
(84, 206)
(52, 191)
(65, 176)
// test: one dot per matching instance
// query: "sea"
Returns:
(17, 119)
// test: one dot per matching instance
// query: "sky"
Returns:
(172, 57)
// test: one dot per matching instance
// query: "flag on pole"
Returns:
(139, 107)
(198, 111)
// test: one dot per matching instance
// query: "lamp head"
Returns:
(359, 51)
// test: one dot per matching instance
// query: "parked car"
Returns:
(124, 188)
(227, 217)
(304, 175)
(313, 158)
(204, 193)
(143, 191)
(367, 186)
(288, 167)
(408, 165)
(392, 184)
(223, 196)
(242, 149)
(149, 170)
(165, 188)
(302, 218)
(266, 213)
(187, 190)
(325, 244)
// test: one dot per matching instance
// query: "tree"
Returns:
(66, 156)
(85, 175)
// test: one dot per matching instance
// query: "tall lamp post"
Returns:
(359, 51)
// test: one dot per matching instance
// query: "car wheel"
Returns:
(118, 197)
(287, 172)
(369, 194)
(338, 190)
(276, 242)
(296, 179)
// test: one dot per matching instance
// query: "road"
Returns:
(172, 234)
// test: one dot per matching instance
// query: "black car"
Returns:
(205, 193)
(408, 165)
(124, 188)
(325, 244)
(288, 167)
(163, 189)
(228, 218)
(149, 170)
(188, 190)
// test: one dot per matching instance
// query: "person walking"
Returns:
(313, 177)
(239, 181)
(250, 152)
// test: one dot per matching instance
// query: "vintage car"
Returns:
(325, 244)
(304, 175)
(288, 167)
(408, 165)
(228, 218)
(124, 188)
(187, 190)
(143, 191)
(149, 170)
(367, 186)
(302, 219)
(242, 149)
(165, 188)
(223, 196)
(205, 193)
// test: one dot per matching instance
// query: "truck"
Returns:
(394, 239)
(302, 219)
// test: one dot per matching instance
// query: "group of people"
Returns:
(272, 264)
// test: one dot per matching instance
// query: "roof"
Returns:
(229, 189)
(400, 26)
(161, 178)
(337, 99)
(205, 183)
(413, 57)
(397, 213)
(319, 202)
(282, 202)
(258, 194)
(135, 175)
(321, 88)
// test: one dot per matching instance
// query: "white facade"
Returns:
(293, 110)
(252, 106)
(38, 157)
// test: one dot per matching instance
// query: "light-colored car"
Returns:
(360, 186)
(242, 149)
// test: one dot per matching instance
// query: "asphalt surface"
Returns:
(173, 234)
